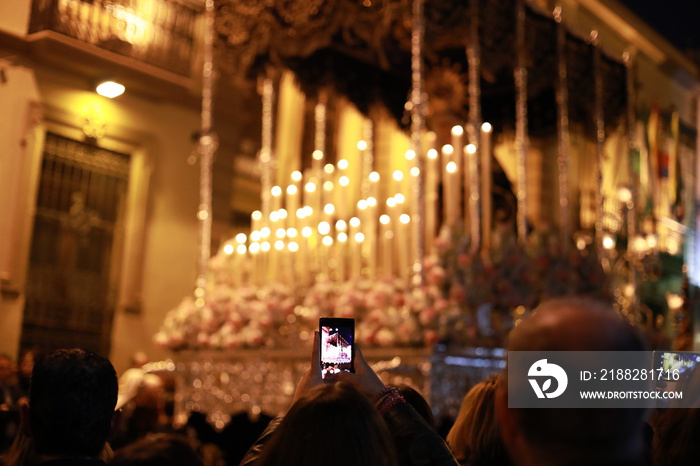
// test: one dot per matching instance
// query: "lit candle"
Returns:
(341, 248)
(486, 181)
(431, 199)
(343, 183)
(276, 192)
(403, 243)
(386, 237)
(472, 212)
(450, 189)
(356, 240)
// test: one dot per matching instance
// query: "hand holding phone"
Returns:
(337, 345)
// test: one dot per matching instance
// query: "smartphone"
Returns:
(337, 345)
(674, 363)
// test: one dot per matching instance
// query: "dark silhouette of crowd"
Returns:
(71, 414)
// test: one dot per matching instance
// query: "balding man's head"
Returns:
(575, 324)
(571, 436)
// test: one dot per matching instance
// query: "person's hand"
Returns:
(364, 378)
(312, 376)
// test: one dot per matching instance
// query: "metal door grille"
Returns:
(70, 290)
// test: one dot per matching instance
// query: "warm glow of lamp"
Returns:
(384, 219)
(362, 145)
(110, 89)
(341, 225)
(241, 238)
(342, 237)
(265, 232)
(374, 177)
(291, 190)
(296, 175)
(343, 181)
(399, 198)
(447, 149)
(398, 175)
(228, 249)
(241, 249)
(457, 130)
(329, 209)
(451, 167)
(404, 218)
(410, 154)
(471, 149)
(343, 164)
(362, 204)
(327, 240)
(486, 127)
(359, 237)
(355, 222)
(276, 191)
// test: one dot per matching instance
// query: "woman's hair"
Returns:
(158, 449)
(331, 424)
(419, 403)
(474, 438)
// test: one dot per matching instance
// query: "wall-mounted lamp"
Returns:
(110, 89)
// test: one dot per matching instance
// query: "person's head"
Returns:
(71, 403)
(155, 450)
(6, 368)
(331, 424)
(571, 436)
(474, 438)
(419, 403)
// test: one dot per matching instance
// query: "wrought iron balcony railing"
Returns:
(158, 32)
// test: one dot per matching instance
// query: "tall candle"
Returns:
(431, 199)
(276, 192)
(341, 228)
(356, 240)
(386, 236)
(448, 168)
(404, 249)
(486, 181)
(472, 169)
(457, 133)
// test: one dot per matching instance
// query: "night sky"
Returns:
(677, 20)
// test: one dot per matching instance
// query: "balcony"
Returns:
(157, 32)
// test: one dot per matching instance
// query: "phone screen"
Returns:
(679, 361)
(337, 345)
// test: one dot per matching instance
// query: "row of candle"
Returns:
(316, 229)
